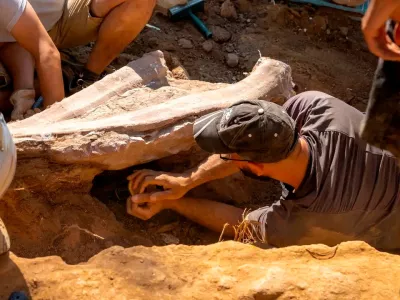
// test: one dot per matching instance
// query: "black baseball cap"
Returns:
(259, 131)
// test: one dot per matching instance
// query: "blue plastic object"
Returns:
(38, 103)
(358, 9)
(187, 11)
(18, 296)
(200, 25)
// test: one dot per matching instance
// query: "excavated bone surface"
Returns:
(139, 114)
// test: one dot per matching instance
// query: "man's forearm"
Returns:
(210, 214)
(211, 169)
(50, 76)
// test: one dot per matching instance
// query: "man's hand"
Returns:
(147, 210)
(175, 186)
(373, 26)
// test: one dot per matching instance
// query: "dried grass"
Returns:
(247, 232)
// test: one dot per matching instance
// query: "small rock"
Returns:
(320, 24)
(229, 48)
(125, 58)
(167, 227)
(232, 60)
(185, 44)
(180, 73)
(167, 46)
(208, 46)
(278, 14)
(344, 30)
(152, 42)
(328, 31)
(37, 110)
(244, 5)
(228, 10)
(221, 35)
(169, 239)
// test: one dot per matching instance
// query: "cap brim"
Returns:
(205, 132)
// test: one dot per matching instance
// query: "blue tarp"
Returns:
(358, 9)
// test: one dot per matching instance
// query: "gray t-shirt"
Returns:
(49, 12)
(350, 191)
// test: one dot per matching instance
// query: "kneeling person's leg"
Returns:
(113, 24)
(123, 21)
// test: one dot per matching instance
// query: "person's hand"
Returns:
(147, 210)
(373, 26)
(174, 186)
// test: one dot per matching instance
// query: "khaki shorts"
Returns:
(76, 26)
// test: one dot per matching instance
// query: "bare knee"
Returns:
(145, 7)
(101, 8)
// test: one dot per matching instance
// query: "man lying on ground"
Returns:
(335, 186)
(31, 32)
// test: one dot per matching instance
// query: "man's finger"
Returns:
(141, 198)
(134, 175)
(139, 179)
(383, 46)
(164, 195)
(142, 212)
(151, 180)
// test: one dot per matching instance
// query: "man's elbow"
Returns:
(49, 55)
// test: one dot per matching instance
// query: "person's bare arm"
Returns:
(177, 185)
(210, 214)
(373, 26)
(31, 35)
